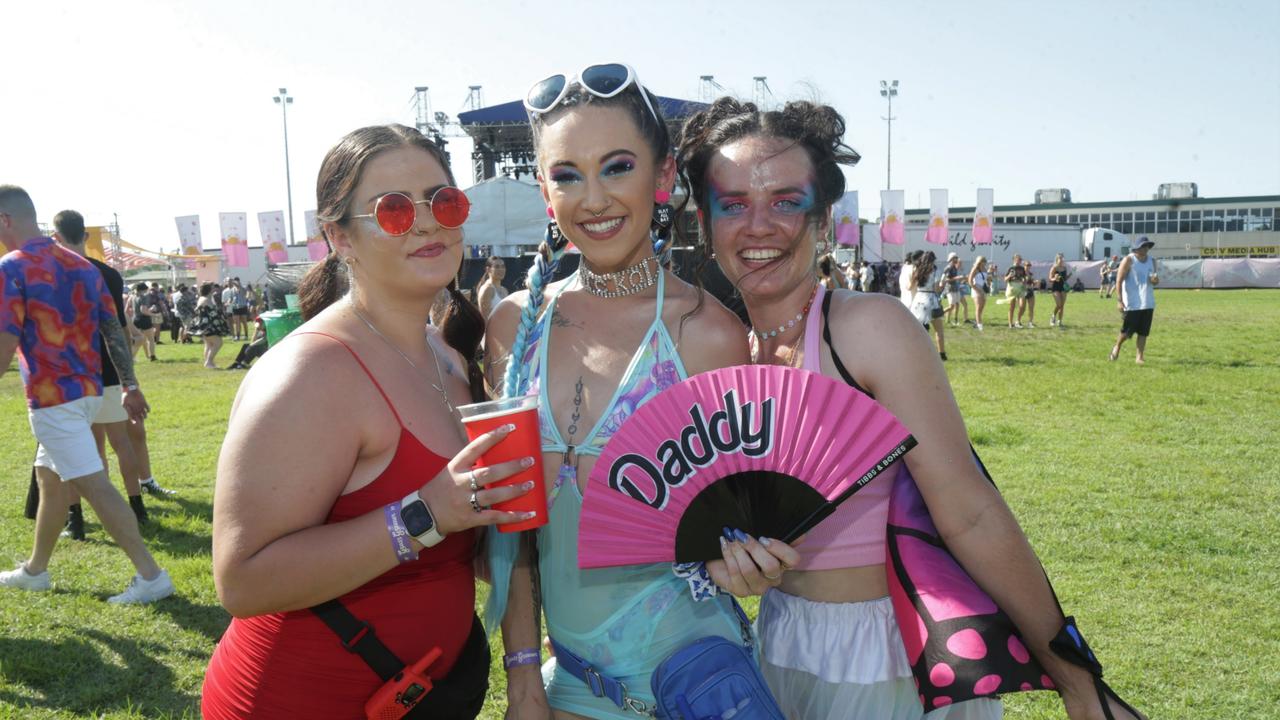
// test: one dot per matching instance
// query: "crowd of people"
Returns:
(360, 556)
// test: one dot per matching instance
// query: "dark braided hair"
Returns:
(818, 129)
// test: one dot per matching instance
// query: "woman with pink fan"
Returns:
(765, 183)
(593, 348)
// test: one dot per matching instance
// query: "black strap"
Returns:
(826, 337)
(357, 637)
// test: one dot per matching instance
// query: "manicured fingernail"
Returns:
(723, 543)
(727, 534)
(527, 462)
(766, 541)
(740, 536)
(508, 427)
(531, 515)
(527, 485)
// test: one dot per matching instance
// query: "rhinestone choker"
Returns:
(627, 281)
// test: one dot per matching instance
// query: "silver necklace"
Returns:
(438, 388)
(627, 281)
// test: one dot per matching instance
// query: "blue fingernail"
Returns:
(726, 533)
(740, 536)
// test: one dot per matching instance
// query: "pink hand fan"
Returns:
(765, 449)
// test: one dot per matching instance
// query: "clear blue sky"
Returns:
(156, 109)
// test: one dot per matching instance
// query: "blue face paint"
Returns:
(565, 175)
(784, 204)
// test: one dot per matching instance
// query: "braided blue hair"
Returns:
(539, 277)
(504, 547)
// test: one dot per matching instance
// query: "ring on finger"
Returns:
(471, 480)
(475, 504)
(775, 578)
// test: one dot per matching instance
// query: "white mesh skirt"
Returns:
(844, 661)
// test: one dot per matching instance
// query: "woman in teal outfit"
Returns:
(594, 347)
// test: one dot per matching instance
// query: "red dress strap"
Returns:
(364, 367)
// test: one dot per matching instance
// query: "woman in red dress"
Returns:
(345, 473)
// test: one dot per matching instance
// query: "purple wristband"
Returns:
(399, 534)
(527, 656)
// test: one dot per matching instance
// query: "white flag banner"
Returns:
(271, 225)
(189, 234)
(984, 217)
(937, 232)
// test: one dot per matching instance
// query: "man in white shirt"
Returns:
(1135, 281)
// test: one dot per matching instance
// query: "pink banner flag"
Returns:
(937, 232)
(317, 248)
(984, 216)
(271, 225)
(892, 217)
(845, 217)
(235, 233)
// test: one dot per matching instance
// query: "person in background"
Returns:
(1135, 283)
(490, 292)
(142, 314)
(954, 278)
(1058, 274)
(926, 283)
(905, 275)
(251, 350)
(62, 371)
(184, 305)
(1015, 290)
(829, 273)
(210, 324)
(177, 328)
(1029, 297)
(111, 423)
(979, 286)
(867, 276)
(239, 308)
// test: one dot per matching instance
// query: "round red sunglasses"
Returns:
(396, 213)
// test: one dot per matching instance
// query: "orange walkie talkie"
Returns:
(401, 693)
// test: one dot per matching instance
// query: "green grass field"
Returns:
(1151, 494)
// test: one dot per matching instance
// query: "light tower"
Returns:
(889, 91)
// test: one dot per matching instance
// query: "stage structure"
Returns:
(504, 143)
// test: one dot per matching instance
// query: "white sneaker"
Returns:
(20, 578)
(144, 591)
(1031, 326)
(979, 326)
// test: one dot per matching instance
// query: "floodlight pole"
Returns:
(889, 92)
(284, 101)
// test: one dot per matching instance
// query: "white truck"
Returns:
(1037, 243)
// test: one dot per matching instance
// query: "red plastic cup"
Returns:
(525, 441)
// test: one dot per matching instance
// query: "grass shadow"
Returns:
(78, 675)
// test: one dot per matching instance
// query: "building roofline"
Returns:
(1175, 202)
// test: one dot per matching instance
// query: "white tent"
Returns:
(505, 213)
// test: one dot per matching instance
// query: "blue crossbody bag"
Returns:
(712, 678)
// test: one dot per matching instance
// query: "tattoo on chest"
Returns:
(559, 319)
(577, 410)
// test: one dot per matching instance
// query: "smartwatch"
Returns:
(419, 521)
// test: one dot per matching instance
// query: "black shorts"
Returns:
(240, 312)
(143, 322)
(1058, 287)
(1137, 322)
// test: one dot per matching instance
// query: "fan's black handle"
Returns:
(822, 513)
